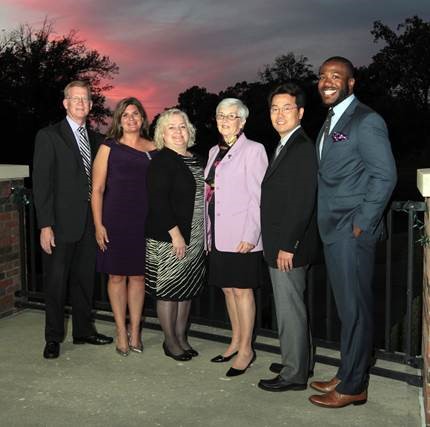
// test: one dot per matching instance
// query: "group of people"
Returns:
(148, 214)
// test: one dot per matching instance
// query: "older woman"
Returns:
(175, 265)
(233, 175)
(119, 203)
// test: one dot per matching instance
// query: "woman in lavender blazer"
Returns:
(233, 175)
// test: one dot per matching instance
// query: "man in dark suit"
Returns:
(289, 234)
(62, 188)
(357, 175)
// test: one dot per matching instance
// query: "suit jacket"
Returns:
(171, 194)
(60, 184)
(288, 202)
(357, 175)
(237, 194)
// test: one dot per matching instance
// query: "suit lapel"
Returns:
(275, 163)
(341, 123)
(70, 140)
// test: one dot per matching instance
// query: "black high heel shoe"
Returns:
(191, 352)
(233, 372)
(183, 357)
(221, 359)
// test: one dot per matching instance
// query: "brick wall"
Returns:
(426, 320)
(10, 252)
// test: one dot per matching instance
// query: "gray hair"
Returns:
(242, 109)
(162, 121)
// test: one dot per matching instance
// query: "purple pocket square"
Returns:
(339, 137)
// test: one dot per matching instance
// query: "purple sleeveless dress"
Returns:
(125, 206)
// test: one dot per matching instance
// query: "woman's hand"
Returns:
(244, 247)
(102, 237)
(179, 246)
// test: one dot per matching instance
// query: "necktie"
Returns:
(326, 131)
(278, 150)
(85, 150)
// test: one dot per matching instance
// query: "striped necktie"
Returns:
(85, 150)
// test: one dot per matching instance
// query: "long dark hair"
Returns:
(115, 131)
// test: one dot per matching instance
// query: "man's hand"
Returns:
(244, 247)
(285, 261)
(47, 239)
(356, 231)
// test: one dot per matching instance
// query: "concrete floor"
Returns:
(93, 386)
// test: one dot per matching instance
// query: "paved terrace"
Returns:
(94, 386)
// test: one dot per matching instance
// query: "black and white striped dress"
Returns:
(168, 277)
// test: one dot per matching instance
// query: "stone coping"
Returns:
(13, 172)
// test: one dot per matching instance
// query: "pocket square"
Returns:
(339, 137)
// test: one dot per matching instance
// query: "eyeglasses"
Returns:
(285, 109)
(78, 99)
(230, 117)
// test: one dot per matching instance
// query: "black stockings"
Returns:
(173, 317)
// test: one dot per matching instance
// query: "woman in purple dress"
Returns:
(119, 203)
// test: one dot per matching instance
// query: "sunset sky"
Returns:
(163, 47)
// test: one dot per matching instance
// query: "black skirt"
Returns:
(231, 269)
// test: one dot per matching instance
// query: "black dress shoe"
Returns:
(220, 358)
(183, 357)
(96, 339)
(192, 352)
(233, 372)
(276, 368)
(279, 384)
(52, 350)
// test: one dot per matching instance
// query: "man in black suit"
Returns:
(357, 175)
(289, 233)
(62, 189)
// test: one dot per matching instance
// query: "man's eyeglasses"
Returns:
(230, 117)
(285, 109)
(78, 99)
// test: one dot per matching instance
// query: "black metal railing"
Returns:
(397, 284)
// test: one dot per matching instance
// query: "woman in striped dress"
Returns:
(175, 259)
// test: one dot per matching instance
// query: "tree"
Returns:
(200, 105)
(404, 63)
(35, 66)
(288, 67)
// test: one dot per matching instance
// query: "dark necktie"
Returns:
(326, 131)
(85, 150)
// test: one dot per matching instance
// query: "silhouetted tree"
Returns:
(200, 106)
(35, 66)
(403, 63)
(288, 67)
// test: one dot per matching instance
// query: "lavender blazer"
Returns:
(238, 180)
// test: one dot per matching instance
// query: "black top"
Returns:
(171, 193)
(288, 203)
(60, 183)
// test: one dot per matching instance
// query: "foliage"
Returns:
(35, 66)
(288, 67)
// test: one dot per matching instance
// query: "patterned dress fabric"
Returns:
(170, 278)
(125, 207)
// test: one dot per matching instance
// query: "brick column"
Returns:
(10, 250)
(423, 183)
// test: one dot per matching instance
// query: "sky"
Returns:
(163, 47)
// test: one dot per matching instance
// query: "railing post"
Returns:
(388, 254)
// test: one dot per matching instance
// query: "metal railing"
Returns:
(397, 284)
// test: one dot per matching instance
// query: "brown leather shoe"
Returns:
(334, 399)
(325, 386)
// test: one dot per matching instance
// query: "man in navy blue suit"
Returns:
(357, 175)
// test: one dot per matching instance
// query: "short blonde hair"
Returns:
(77, 83)
(162, 121)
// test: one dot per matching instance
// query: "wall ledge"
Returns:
(423, 181)
(8, 172)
